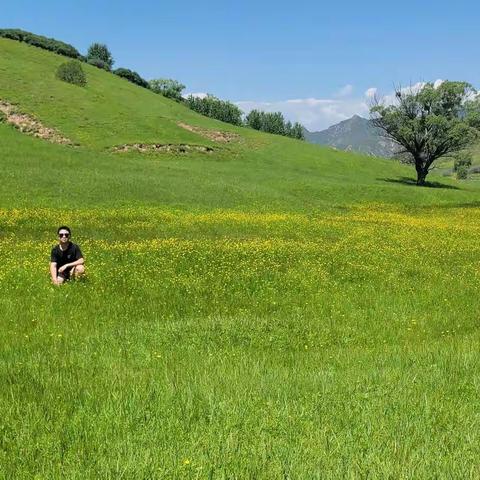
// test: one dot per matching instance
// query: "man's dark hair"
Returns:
(64, 227)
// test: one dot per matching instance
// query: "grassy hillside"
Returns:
(270, 310)
(110, 111)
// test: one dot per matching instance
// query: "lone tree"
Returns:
(430, 122)
(99, 51)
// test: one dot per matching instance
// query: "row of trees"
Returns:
(274, 122)
(213, 107)
(40, 41)
(270, 122)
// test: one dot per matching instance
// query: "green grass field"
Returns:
(270, 310)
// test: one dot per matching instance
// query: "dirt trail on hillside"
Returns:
(30, 125)
(214, 135)
(162, 148)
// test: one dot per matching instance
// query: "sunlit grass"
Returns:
(254, 345)
(270, 310)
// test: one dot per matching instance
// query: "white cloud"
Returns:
(314, 113)
(371, 92)
(345, 91)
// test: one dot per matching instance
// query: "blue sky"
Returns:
(312, 60)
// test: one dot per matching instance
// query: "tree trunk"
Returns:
(421, 166)
(421, 175)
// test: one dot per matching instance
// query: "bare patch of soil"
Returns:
(162, 148)
(214, 135)
(29, 125)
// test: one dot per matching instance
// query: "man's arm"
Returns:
(80, 261)
(53, 272)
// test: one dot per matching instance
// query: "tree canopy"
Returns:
(167, 87)
(430, 122)
(99, 51)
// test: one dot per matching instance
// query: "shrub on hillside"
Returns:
(213, 107)
(97, 62)
(131, 76)
(39, 41)
(167, 87)
(462, 164)
(72, 72)
(462, 172)
(99, 51)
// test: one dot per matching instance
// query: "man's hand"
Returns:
(63, 268)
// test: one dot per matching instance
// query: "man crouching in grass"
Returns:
(66, 260)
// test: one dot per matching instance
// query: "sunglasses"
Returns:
(63, 235)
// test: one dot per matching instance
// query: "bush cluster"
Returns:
(42, 42)
(131, 76)
(167, 87)
(462, 164)
(99, 55)
(72, 72)
(462, 172)
(274, 122)
(213, 107)
(99, 63)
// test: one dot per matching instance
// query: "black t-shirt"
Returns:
(61, 257)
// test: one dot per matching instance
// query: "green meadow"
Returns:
(271, 309)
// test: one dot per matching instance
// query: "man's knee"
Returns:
(78, 270)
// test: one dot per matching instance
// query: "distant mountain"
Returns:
(355, 134)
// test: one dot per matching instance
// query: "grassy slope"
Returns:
(272, 310)
(275, 171)
(107, 112)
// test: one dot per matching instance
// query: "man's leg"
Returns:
(63, 277)
(77, 271)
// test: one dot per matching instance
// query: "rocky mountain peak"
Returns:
(354, 134)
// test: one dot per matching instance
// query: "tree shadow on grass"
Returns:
(412, 182)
